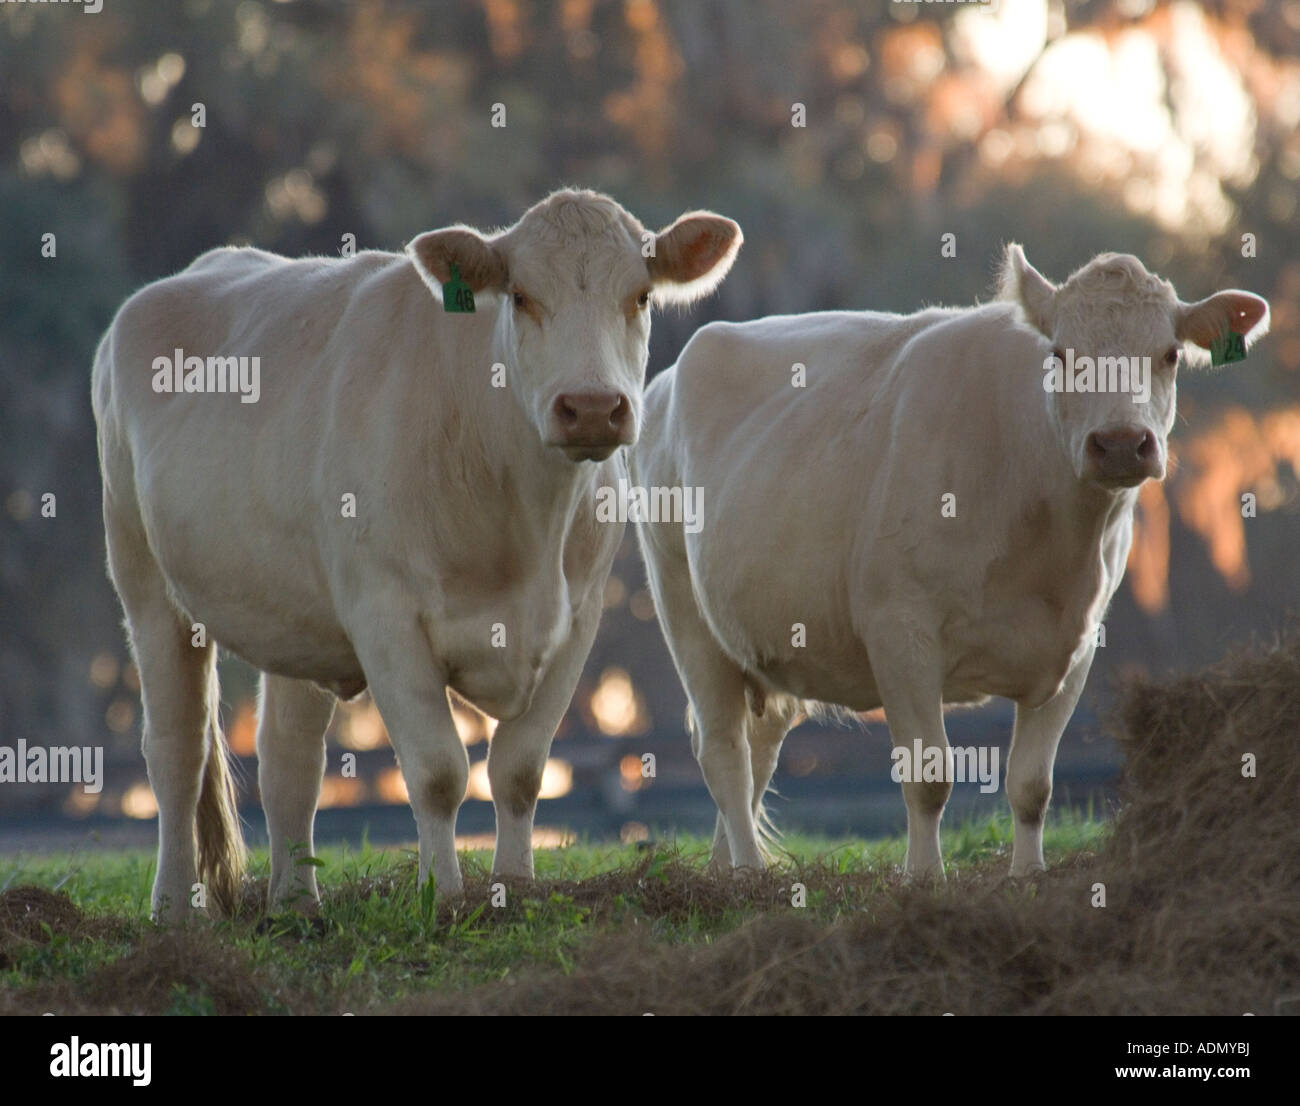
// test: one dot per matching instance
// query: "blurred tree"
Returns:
(374, 119)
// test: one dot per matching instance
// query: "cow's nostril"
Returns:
(1147, 446)
(619, 415)
(565, 411)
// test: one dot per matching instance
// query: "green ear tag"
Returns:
(1227, 347)
(457, 296)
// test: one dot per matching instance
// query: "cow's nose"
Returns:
(592, 418)
(1124, 455)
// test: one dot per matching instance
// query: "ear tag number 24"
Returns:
(1227, 348)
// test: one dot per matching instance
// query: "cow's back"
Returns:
(257, 488)
(240, 302)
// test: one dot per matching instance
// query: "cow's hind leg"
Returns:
(1034, 741)
(290, 764)
(517, 755)
(766, 734)
(178, 688)
(715, 687)
(908, 673)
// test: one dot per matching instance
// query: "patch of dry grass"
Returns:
(1201, 914)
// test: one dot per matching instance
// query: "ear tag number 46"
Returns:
(1227, 348)
(457, 296)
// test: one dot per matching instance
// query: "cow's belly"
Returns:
(844, 680)
(246, 568)
(791, 646)
(1026, 661)
(300, 640)
(498, 659)
(502, 692)
(1023, 651)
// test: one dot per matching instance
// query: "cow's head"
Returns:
(1114, 424)
(578, 276)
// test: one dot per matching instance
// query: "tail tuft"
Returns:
(220, 842)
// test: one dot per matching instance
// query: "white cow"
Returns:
(898, 512)
(393, 500)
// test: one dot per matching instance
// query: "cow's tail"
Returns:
(769, 836)
(769, 717)
(221, 845)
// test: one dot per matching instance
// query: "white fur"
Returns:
(466, 524)
(822, 507)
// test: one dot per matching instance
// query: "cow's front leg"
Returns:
(412, 699)
(519, 747)
(1034, 741)
(909, 675)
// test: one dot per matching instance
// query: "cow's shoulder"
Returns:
(730, 361)
(228, 259)
(940, 332)
(234, 287)
(245, 264)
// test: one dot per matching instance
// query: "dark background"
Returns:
(1166, 130)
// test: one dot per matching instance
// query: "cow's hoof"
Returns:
(743, 872)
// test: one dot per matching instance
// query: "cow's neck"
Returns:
(1076, 522)
(1093, 511)
(1094, 518)
(548, 480)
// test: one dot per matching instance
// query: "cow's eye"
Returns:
(1171, 356)
(521, 301)
(643, 300)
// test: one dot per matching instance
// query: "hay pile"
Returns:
(1201, 879)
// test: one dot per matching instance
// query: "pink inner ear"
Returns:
(1244, 314)
(700, 255)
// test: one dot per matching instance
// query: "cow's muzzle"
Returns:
(1123, 457)
(589, 426)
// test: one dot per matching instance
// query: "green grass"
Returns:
(379, 938)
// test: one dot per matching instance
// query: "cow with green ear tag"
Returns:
(407, 502)
(937, 509)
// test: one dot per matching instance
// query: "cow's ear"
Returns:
(1025, 285)
(692, 256)
(1207, 321)
(480, 263)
